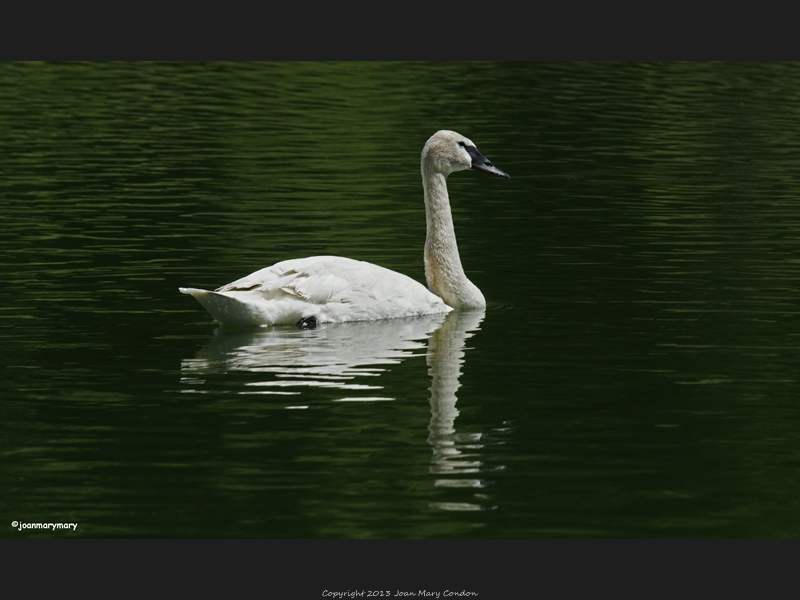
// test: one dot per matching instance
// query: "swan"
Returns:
(325, 289)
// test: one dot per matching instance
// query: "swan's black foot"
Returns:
(307, 323)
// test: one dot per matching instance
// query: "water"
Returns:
(634, 374)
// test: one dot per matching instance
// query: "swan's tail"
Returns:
(229, 311)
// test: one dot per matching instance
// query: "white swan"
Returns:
(319, 289)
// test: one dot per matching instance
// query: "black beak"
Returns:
(481, 163)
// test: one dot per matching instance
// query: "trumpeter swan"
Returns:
(319, 289)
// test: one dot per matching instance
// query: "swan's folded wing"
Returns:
(329, 288)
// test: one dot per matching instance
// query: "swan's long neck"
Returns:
(443, 269)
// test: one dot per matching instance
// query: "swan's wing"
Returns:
(316, 279)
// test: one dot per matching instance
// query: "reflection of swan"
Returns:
(334, 289)
(349, 358)
(445, 357)
(332, 356)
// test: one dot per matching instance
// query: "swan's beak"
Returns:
(481, 163)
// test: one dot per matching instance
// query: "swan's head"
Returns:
(447, 151)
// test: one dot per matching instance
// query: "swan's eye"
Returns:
(462, 144)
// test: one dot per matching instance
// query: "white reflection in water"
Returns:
(351, 357)
(454, 454)
(344, 356)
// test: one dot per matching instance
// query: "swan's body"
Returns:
(336, 289)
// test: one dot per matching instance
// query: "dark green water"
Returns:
(634, 375)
